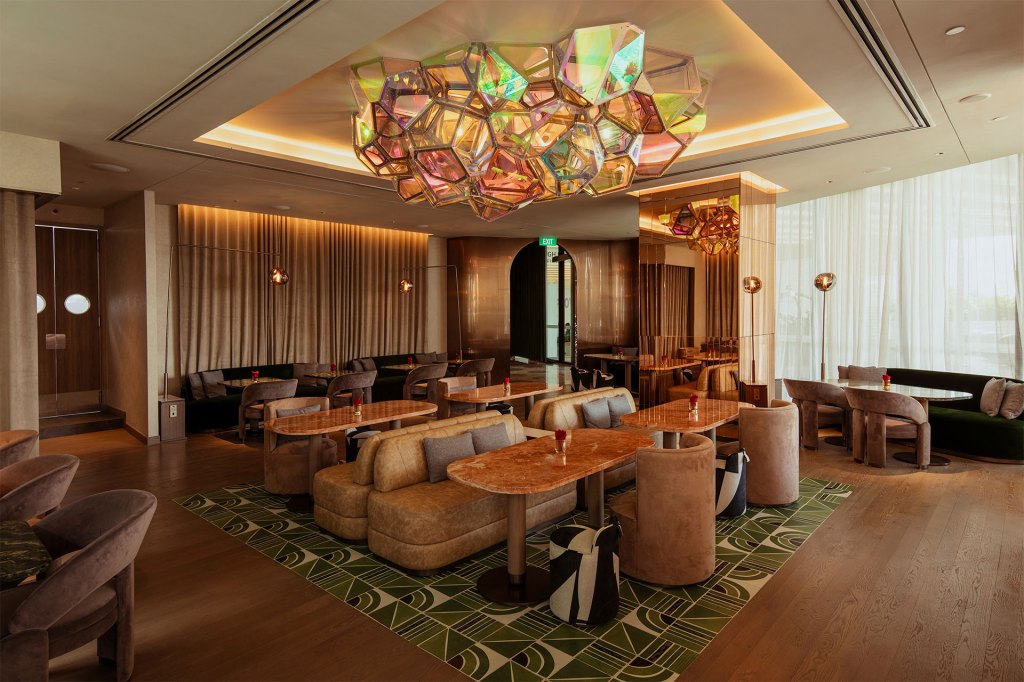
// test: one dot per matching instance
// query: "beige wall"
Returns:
(67, 215)
(29, 164)
(132, 302)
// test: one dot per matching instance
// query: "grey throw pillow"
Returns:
(298, 410)
(195, 383)
(617, 407)
(992, 396)
(440, 452)
(369, 364)
(489, 438)
(211, 382)
(596, 414)
(1013, 400)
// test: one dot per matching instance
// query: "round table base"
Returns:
(911, 458)
(300, 504)
(536, 587)
(837, 441)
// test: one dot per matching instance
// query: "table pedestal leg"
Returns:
(712, 433)
(629, 376)
(604, 365)
(480, 407)
(595, 499)
(517, 583)
(670, 440)
(395, 424)
(304, 503)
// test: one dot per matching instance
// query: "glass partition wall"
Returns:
(706, 300)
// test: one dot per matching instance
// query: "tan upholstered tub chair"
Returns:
(675, 490)
(771, 438)
(255, 395)
(341, 492)
(878, 416)
(17, 445)
(820, 404)
(714, 381)
(286, 459)
(35, 486)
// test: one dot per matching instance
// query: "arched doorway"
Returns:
(542, 290)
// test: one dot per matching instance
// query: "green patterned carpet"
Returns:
(657, 633)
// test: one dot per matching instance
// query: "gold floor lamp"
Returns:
(823, 283)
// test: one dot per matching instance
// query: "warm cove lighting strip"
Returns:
(259, 142)
(820, 120)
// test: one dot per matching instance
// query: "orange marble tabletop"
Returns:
(715, 356)
(676, 416)
(489, 394)
(673, 363)
(917, 392)
(329, 421)
(330, 374)
(242, 383)
(405, 367)
(613, 356)
(533, 466)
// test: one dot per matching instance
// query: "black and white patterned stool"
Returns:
(585, 573)
(731, 484)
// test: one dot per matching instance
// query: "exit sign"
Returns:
(548, 241)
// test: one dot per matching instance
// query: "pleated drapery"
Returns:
(666, 308)
(342, 300)
(723, 286)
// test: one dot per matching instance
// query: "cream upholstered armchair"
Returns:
(255, 395)
(286, 458)
(675, 489)
(16, 445)
(820, 404)
(35, 486)
(771, 438)
(878, 416)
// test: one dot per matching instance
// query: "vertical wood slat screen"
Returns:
(341, 302)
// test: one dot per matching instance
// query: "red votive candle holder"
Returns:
(694, 400)
(409, 359)
(664, 359)
(357, 406)
(255, 374)
(334, 367)
(885, 380)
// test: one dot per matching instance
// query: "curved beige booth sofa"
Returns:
(407, 520)
(566, 412)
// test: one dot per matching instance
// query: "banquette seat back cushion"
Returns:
(567, 412)
(538, 414)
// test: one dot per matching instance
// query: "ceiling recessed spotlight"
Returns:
(110, 167)
(76, 188)
(828, 182)
(423, 226)
(939, 153)
(1000, 118)
(955, 29)
(880, 169)
(281, 207)
(979, 97)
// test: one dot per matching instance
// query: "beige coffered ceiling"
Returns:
(136, 83)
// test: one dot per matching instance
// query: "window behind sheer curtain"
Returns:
(929, 275)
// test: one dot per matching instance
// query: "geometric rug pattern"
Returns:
(655, 635)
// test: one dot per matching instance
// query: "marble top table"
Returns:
(242, 383)
(533, 466)
(329, 374)
(626, 360)
(675, 417)
(405, 366)
(22, 555)
(715, 357)
(656, 368)
(493, 394)
(318, 424)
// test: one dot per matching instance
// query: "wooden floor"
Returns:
(917, 576)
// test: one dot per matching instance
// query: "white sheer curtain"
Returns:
(929, 275)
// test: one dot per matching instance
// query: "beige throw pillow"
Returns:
(992, 396)
(1013, 400)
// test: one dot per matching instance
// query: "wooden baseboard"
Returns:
(146, 440)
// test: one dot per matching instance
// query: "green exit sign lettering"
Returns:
(548, 241)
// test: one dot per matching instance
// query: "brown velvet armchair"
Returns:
(253, 397)
(35, 486)
(88, 592)
(422, 381)
(286, 458)
(16, 445)
(878, 416)
(345, 389)
(481, 369)
(675, 489)
(819, 404)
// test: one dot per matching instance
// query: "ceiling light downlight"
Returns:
(109, 167)
(975, 98)
(954, 30)
(876, 171)
(500, 126)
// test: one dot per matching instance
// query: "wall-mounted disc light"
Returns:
(278, 276)
(405, 286)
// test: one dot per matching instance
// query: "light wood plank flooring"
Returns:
(917, 576)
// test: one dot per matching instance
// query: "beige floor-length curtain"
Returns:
(19, 362)
(666, 310)
(342, 300)
(723, 287)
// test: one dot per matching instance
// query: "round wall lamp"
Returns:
(405, 286)
(278, 276)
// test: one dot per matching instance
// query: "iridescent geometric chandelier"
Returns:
(501, 126)
(709, 225)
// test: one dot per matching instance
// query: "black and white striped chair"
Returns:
(731, 484)
(585, 573)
